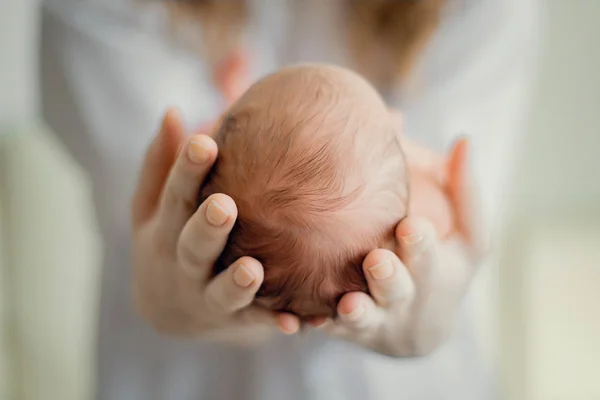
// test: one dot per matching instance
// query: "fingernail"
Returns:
(287, 331)
(354, 315)
(287, 324)
(383, 270)
(216, 214)
(243, 277)
(198, 151)
(410, 240)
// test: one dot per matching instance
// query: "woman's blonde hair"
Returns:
(385, 37)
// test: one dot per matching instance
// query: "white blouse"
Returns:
(108, 72)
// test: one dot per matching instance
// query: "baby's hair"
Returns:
(316, 170)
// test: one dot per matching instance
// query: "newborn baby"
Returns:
(314, 164)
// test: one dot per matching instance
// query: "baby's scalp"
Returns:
(311, 158)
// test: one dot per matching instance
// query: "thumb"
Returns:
(159, 158)
(417, 247)
(465, 196)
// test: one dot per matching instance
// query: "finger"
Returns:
(159, 158)
(252, 316)
(417, 248)
(317, 321)
(422, 160)
(231, 76)
(234, 288)
(388, 280)
(205, 234)
(421, 251)
(358, 311)
(181, 191)
(465, 198)
(288, 323)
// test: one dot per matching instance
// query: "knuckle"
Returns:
(400, 298)
(162, 244)
(336, 329)
(182, 184)
(164, 317)
(168, 322)
(363, 324)
(151, 315)
(419, 349)
(201, 230)
(225, 297)
(190, 255)
(176, 193)
(198, 245)
(425, 268)
(215, 303)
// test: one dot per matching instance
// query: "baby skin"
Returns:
(313, 160)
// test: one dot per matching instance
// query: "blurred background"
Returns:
(547, 264)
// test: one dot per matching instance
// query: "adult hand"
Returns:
(175, 244)
(416, 291)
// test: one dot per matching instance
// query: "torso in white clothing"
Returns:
(109, 72)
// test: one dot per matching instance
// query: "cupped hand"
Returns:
(176, 243)
(416, 291)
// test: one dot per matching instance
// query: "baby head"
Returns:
(312, 160)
